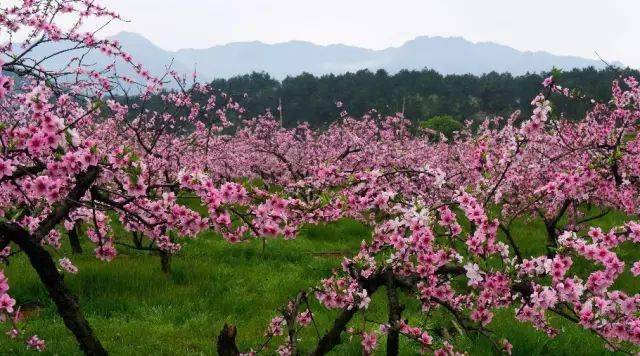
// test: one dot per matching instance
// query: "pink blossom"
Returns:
(7, 303)
(6, 85)
(6, 168)
(36, 343)
(304, 318)
(68, 266)
(369, 343)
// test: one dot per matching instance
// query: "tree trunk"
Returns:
(227, 341)
(395, 313)
(74, 240)
(550, 226)
(332, 337)
(165, 262)
(552, 239)
(65, 301)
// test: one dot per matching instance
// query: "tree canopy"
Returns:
(418, 94)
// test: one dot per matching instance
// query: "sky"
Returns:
(567, 27)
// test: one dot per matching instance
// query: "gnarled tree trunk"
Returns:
(165, 262)
(66, 302)
(227, 341)
(395, 313)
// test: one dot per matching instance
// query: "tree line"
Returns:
(419, 94)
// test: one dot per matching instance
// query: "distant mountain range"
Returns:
(446, 55)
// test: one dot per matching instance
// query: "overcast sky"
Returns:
(573, 27)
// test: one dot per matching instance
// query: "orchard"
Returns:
(91, 157)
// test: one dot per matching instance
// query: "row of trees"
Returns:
(418, 94)
(76, 153)
(444, 213)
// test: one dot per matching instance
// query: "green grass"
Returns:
(136, 310)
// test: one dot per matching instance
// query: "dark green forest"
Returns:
(423, 94)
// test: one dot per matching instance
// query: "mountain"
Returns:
(455, 55)
(155, 59)
(447, 55)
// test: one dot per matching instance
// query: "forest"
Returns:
(419, 94)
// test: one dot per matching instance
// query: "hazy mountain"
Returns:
(447, 55)
(154, 58)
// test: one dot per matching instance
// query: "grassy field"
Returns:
(136, 310)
